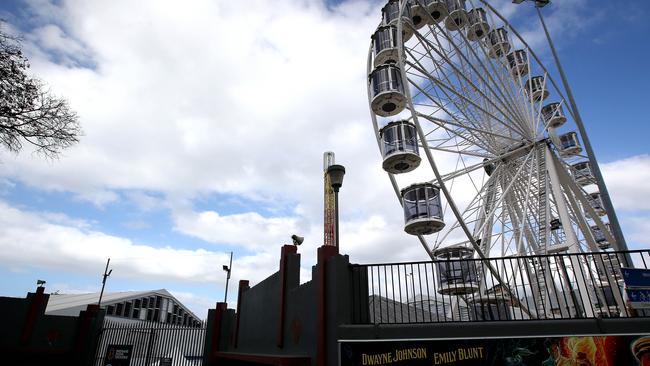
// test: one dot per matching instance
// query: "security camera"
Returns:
(40, 283)
(297, 240)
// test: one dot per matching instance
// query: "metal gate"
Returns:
(154, 344)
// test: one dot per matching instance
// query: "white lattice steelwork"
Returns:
(493, 136)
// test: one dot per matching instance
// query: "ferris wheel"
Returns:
(477, 138)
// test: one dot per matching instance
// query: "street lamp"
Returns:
(227, 269)
(335, 174)
(602, 188)
(106, 274)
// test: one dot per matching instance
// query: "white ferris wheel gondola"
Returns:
(422, 209)
(388, 97)
(498, 41)
(384, 42)
(569, 144)
(457, 17)
(553, 115)
(596, 202)
(478, 24)
(419, 15)
(457, 273)
(582, 173)
(437, 9)
(518, 63)
(600, 237)
(400, 147)
(391, 16)
(535, 88)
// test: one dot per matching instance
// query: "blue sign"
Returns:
(636, 277)
(639, 299)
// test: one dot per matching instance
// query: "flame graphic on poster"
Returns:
(585, 351)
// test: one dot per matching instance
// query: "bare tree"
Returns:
(28, 112)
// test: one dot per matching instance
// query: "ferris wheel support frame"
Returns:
(436, 172)
(604, 193)
(619, 243)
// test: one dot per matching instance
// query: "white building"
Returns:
(156, 306)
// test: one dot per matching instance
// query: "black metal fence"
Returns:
(560, 286)
(154, 344)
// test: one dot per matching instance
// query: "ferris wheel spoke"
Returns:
(460, 75)
(466, 213)
(466, 58)
(451, 89)
(440, 63)
(523, 192)
(477, 141)
(468, 140)
(508, 186)
(460, 105)
(484, 134)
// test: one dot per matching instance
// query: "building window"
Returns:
(149, 315)
(151, 301)
(136, 313)
(119, 308)
(110, 310)
(144, 303)
(137, 304)
(127, 310)
(158, 299)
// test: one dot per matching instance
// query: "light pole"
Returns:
(602, 188)
(336, 173)
(106, 274)
(227, 268)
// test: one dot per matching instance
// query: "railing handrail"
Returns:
(583, 254)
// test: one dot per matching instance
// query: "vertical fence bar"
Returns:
(426, 277)
(374, 299)
(421, 294)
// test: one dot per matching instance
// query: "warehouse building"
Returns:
(130, 306)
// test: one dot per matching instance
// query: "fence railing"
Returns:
(153, 343)
(559, 286)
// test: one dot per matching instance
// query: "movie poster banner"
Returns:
(617, 350)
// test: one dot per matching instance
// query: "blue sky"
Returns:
(205, 126)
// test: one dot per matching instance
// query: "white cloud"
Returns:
(250, 230)
(627, 182)
(51, 240)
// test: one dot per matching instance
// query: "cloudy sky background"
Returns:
(205, 123)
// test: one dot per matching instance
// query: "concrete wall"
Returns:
(260, 306)
(29, 337)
